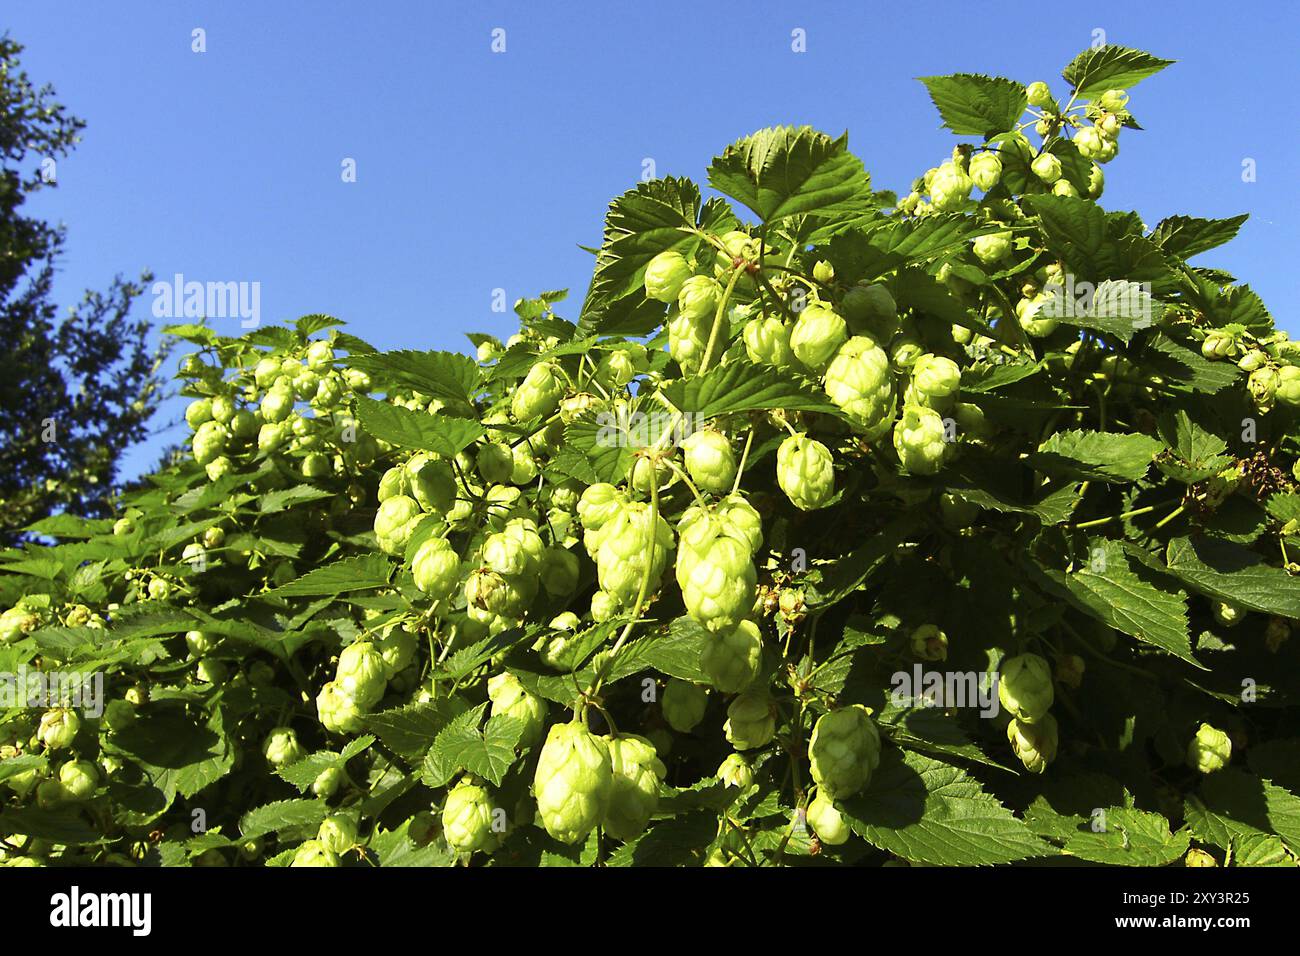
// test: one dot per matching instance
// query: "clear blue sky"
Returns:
(478, 171)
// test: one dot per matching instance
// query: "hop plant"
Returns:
(1025, 687)
(58, 728)
(805, 472)
(1034, 743)
(935, 381)
(843, 751)
(870, 310)
(467, 817)
(920, 440)
(665, 275)
(750, 721)
(1210, 750)
(817, 335)
(826, 821)
(710, 461)
(732, 659)
(281, 747)
(683, 705)
(985, 170)
(736, 771)
(638, 774)
(858, 380)
(767, 342)
(511, 698)
(538, 394)
(574, 782)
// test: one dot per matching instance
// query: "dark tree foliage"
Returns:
(76, 391)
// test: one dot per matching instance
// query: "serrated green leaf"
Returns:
(1233, 573)
(786, 171)
(1128, 837)
(1096, 456)
(1187, 236)
(450, 376)
(974, 105)
(362, 572)
(1130, 598)
(1110, 67)
(741, 386)
(443, 434)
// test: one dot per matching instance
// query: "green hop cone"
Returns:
(1025, 687)
(805, 472)
(1210, 750)
(817, 335)
(573, 783)
(1096, 182)
(751, 722)
(632, 548)
(843, 751)
(1039, 94)
(929, 643)
(1199, 858)
(1047, 167)
(1090, 143)
(638, 774)
(559, 571)
(826, 821)
(665, 275)
(1228, 614)
(823, 272)
(985, 170)
(395, 520)
(767, 342)
(732, 659)
(433, 485)
(327, 782)
(1029, 314)
(495, 463)
(919, 440)
(1035, 744)
(397, 649)
(338, 833)
(683, 705)
(736, 771)
(935, 381)
(698, 300)
(58, 728)
(78, 778)
(718, 579)
(511, 698)
(1262, 386)
(467, 817)
(710, 461)
(949, 188)
(538, 394)
(436, 568)
(688, 337)
(1288, 385)
(870, 310)
(198, 412)
(859, 381)
(1112, 101)
(277, 404)
(360, 673)
(992, 247)
(314, 853)
(281, 747)
(209, 442)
